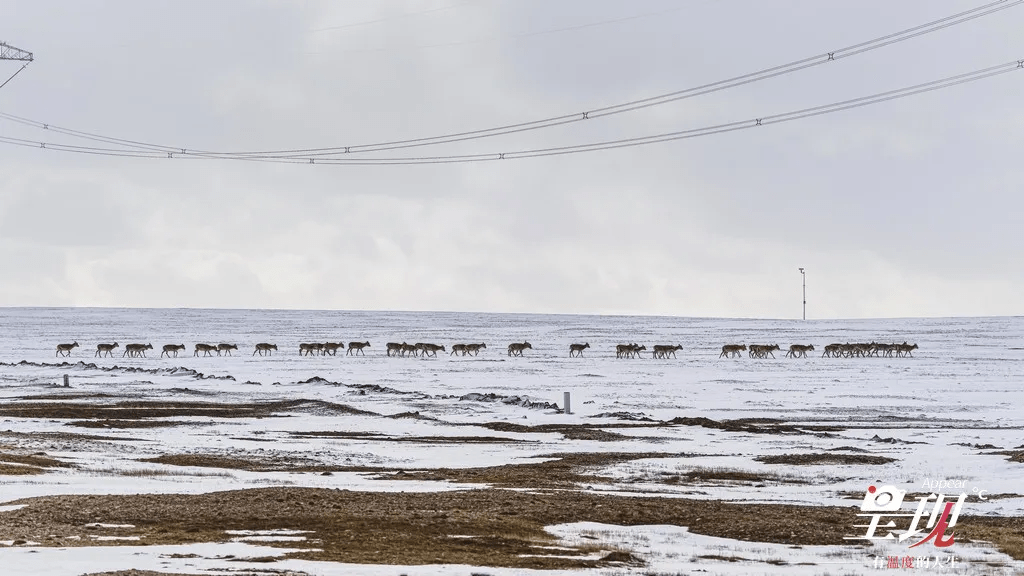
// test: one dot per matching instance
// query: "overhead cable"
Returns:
(764, 74)
(947, 82)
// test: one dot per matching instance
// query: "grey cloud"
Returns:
(906, 208)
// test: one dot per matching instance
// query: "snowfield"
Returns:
(946, 414)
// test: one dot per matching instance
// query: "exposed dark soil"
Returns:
(39, 459)
(757, 426)
(135, 410)
(564, 471)
(126, 423)
(10, 470)
(1014, 455)
(254, 464)
(414, 439)
(824, 459)
(713, 475)
(418, 528)
(146, 573)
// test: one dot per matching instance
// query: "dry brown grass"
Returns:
(39, 459)
(416, 528)
(830, 459)
(126, 423)
(13, 470)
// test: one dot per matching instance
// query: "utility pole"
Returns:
(804, 276)
(8, 52)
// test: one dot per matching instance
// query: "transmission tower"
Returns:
(8, 52)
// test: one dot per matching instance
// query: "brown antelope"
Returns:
(333, 347)
(662, 351)
(206, 349)
(732, 350)
(264, 348)
(226, 348)
(833, 351)
(431, 349)
(172, 349)
(458, 349)
(474, 349)
(394, 349)
(358, 347)
(409, 349)
(799, 350)
(516, 348)
(102, 349)
(762, 350)
(905, 349)
(65, 349)
(136, 350)
(628, 350)
(577, 349)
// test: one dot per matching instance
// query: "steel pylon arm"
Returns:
(8, 52)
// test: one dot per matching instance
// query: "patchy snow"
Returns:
(942, 414)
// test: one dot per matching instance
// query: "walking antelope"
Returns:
(799, 350)
(474, 349)
(409, 349)
(431, 349)
(662, 351)
(102, 349)
(762, 350)
(358, 347)
(732, 350)
(206, 349)
(516, 348)
(832, 351)
(264, 348)
(458, 348)
(311, 349)
(905, 349)
(333, 347)
(628, 350)
(172, 349)
(65, 349)
(226, 348)
(136, 350)
(577, 349)
(394, 348)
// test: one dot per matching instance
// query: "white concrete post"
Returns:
(567, 410)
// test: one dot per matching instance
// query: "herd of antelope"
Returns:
(426, 350)
(861, 350)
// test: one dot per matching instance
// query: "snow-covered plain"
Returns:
(962, 389)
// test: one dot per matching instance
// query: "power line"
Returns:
(764, 74)
(849, 104)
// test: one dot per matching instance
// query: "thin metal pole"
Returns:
(804, 276)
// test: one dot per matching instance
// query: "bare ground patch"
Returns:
(135, 410)
(15, 470)
(824, 459)
(126, 423)
(253, 463)
(483, 527)
(562, 471)
(38, 459)
(412, 439)
(704, 476)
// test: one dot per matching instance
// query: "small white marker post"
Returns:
(66, 381)
(566, 401)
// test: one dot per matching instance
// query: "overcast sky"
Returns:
(908, 208)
